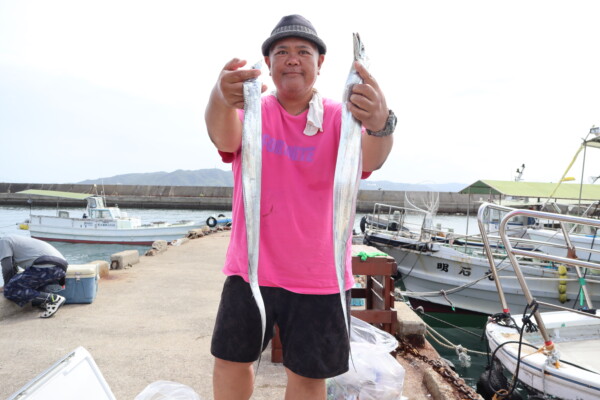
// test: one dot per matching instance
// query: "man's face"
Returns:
(294, 64)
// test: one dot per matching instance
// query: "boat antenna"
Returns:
(103, 193)
(519, 177)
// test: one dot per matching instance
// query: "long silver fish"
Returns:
(251, 174)
(347, 176)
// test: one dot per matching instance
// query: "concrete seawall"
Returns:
(212, 197)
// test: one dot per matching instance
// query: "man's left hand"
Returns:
(367, 102)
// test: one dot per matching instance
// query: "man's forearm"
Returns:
(375, 151)
(223, 125)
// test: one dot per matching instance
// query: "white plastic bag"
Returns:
(363, 332)
(374, 374)
(166, 390)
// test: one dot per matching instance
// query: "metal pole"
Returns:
(517, 270)
(571, 253)
(468, 210)
(488, 251)
(582, 170)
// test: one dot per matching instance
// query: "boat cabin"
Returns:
(96, 209)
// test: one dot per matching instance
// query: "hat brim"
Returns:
(266, 47)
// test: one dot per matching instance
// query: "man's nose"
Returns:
(292, 60)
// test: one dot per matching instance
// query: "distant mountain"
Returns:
(201, 177)
(218, 177)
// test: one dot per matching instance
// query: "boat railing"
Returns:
(403, 221)
(418, 224)
(516, 254)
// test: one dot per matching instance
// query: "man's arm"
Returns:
(368, 105)
(8, 269)
(222, 121)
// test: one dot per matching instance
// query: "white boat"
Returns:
(560, 358)
(439, 269)
(100, 224)
(555, 243)
(575, 340)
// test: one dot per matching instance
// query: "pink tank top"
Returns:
(296, 238)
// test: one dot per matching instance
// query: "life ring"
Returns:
(211, 222)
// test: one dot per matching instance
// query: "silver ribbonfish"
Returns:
(347, 176)
(251, 181)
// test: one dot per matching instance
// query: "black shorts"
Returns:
(313, 334)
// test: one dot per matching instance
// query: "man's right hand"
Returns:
(230, 85)
(222, 121)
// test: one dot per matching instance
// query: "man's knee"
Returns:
(232, 380)
(301, 384)
(232, 366)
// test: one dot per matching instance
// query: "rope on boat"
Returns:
(447, 299)
(450, 291)
(419, 310)
(462, 352)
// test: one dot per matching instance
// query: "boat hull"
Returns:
(577, 375)
(439, 269)
(81, 230)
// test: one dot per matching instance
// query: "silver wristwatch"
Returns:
(389, 127)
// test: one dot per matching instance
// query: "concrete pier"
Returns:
(212, 197)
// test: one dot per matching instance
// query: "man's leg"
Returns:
(232, 380)
(236, 340)
(23, 287)
(301, 388)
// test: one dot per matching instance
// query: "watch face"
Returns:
(388, 129)
(392, 120)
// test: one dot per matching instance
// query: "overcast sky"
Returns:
(92, 89)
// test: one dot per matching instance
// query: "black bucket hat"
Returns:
(294, 26)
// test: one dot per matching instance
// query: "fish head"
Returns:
(359, 48)
(257, 65)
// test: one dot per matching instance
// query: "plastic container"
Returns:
(81, 284)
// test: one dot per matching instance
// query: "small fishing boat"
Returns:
(100, 224)
(557, 355)
(441, 270)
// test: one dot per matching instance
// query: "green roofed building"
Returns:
(490, 190)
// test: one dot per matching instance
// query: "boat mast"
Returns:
(519, 177)
(594, 130)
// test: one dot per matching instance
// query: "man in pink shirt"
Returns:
(301, 134)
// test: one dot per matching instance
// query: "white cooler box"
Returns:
(82, 284)
(74, 377)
